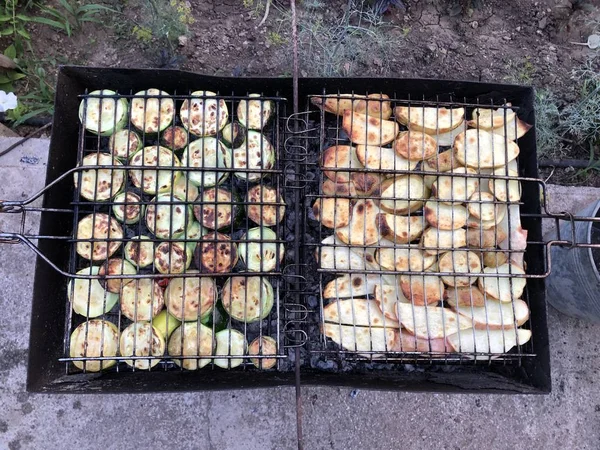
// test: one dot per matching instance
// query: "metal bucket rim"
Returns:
(589, 240)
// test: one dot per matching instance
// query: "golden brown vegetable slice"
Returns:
(459, 262)
(465, 296)
(485, 238)
(500, 212)
(357, 312)
(402, 259)
(406, 342)
(377, 158)
(431, 322)
(481, 149)
(332, 212)
(434, 241)
(337, 103)
(403, 194)
(339, 157)
(415, 145)
(386, 297)
(355, 285)
(494, 315)
(481, 206)
(400, 229)
(106, 232)
(263, 346)
(422, 289)
(430, 120)
(487, 118)
(443, 162)
(445, 217)
(514, 131)
(338, 189)
(454, 188)
(377, 105)
(494, 258)
(362, 129)
(362, 229)
(503, 189)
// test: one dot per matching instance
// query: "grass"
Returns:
(547, 118)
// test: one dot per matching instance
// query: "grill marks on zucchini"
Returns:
(142, 339)
(99, 185)
(192, 339)
(216, 253)
(167, 217)
(124, 143)
(204, 116)
(106, 233)
(150, 180)
(258, 253)
(262, 208)
(191, 298)
(215, 209)
(254, 114)
(127, 208)
(152, 110)
(206, 153)
(102, 114)
(253, 157)
(88, 297)
(247, 299)
(91, 339)
(172, 257)
(142, 299)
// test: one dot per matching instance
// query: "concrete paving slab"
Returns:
(334, 418)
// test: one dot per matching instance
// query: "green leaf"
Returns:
(65, 4)
(5, 18)
(7, 87)
(23, 17)
(36, 112)
(4, 79)
(24, 33)
(14, 76)
(96, 8)
(11, 51)
(68, 28)
(46, 21)
(6, 32)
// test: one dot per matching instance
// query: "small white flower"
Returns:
(7, 101)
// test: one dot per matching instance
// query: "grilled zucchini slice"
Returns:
(139, 251)
(124, 143)
(184, 189)
(103, 116)
(206, 153)
(172, 257)
(87, 294)
(98, 185)
(127, 208)
(258, 209)
(257, 253)
(116, 266)
(150, 180)
(174, 138)
(142, 339)
(263, 346)
(102, 227)
(215, 253)
(152, 110)
(165, 323)
(233, 135)
(202, 115)
(167, 217)
(193, 233)
(247, 299)
(142, 299)
(94, 338)
(255, 114)
(191, 339)
(216, 209)
(253, 156)
(192, 298)
(230, 343)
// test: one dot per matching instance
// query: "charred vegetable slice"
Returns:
(333, 212)
(152, 111)
(165, 323)
(127, 208)
(87, 294)
(377, 105)
(103, 116)
(172, 257)
(216, 253)
(202, 115)
(363, 229)
(258, 254)
(247, 299)
(263, 346)
(415, 145)
(253, 156)
(230, 343)
(116, 266)
(191, 339)
(191, 298)
(150, 180)
(193, 233)
(184, 189)
(357, 312)
(363, 129)
(233, 135)
(216, 209)
(105, 230)
(459, 262)
(142, 299)
(142, 339)
(91, 339)
(99, 185)
(124, 143)
(206, 153)
(139, 251)
(260, 211)
(378, 158)
(174, 138)
(454, 189)
(254, 114)
(167, 217)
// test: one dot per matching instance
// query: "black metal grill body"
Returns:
(45, 371)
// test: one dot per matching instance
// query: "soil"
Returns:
(524, 42)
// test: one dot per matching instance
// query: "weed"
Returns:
(547, 120)
(405, 30)
(581, 119)
(274, 38)
(71, 16)
(162, 22)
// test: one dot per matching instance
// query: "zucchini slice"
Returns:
(142, 339)
(127, 208)
(403, 194)
(105, 229)
(172, 257)
(430, 120)
(233, 135)
(152, 111)
(260, 211)
(253, 156)
(460, 261)
(206, 153)
(141, 299)
(363, 129)
(415, 145)
(205, 116)
(116, 266)
(481, 149)
(189, 299)
(84, 294)
(91, 339)
(191, 339)
(193, 233)
(215, 253)
(184, 189)
(124, 143)
(139, 251)
(257, 253)
(174, 138)
(263, 346)
(103, 116)
(153, 181)
(230, 343)
(247, 299)
(254, 114)
(98, 185)
(167, 217)
(216, 209)
(165, 323)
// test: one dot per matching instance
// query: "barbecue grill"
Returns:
(303, 354)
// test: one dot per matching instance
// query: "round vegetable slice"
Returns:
(142, 339)
(193, 233)
(99, 185)
(230, 343)
(141, 299)
(165, 323)
(174, 137)
(254, 114)
(233, 135)
(258, 254)
(259, 210)
(339, 157)
(481, 206)
(152, 111)
(377, 106)
(184, 189)
(431, 120)
(505, 190)
(103, 116)
(333, 212)
(455, 189)
(254, 156)
(153, 181)
(172, 257)
(205, 116)
(92, 339)
(415, 145)
(88, 297)
(445, 217)
(139, 251)
(215, 253)
(378, 158)
(263, 346)
(106, 232)
(247, 299)
(435, 241)
(167, 217)
(191, 298)
(116, 266)
(403, 194)
(127, 208)
(206, 153)
(459, 262)
(422, 289)
(215, 209)
(505, 289)
(191, 339)
(124, 143)
(483, 150)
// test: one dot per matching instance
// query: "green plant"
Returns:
(161, 22)
(274, 38)
(9, 76)
(547, 123)
(71, 16)
(581, 119)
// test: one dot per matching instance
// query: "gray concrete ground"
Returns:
(265, 419)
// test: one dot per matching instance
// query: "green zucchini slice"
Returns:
(148, 179)
(167, 217)
(142, 339)
(165, 323)
(216, 209)
(259, 210)
(254, 114)
(152, 111)
(103, 116)
(257, 253)
(172, 257)
(127, 208)
(84, 294)
(191, 298)
(141, 299)
(102, 227)
(92, 339)
(139, 251)
(247, 299)
(98, 185)
(191, 339)
(205, 116)
(230, 343)
(254, 156)
(124, 143)
(206, 153)
(233, 135)
(174, 138)
(215, 253)
(116, 266)
(263, 346)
